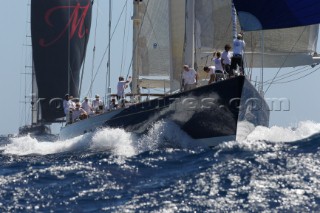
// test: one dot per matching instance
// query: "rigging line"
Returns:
(71, 77)
(126, 47)
(299, 77)
(84, 58)
(123, 39)
(226, 34)
(294, 74)
(69, 71)
(84, 62)
(156, 38)
(81, 78)
(89, 93)
(296, 70)
(214, 50)
(105, 52)
(108, 73)
(285, 59)
(135, 42)
(23, 109)
(287, 75)
(253, 47)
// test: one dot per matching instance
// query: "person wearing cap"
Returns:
(189, 78)
(78, 113)
(86, 105)
(97, 104)
(238, 51)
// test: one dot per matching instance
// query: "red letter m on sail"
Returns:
(74, 23)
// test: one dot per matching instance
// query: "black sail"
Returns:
(60, 32)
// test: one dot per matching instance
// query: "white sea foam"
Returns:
(303, 130)
(260, 137)
(120, 142)
(27, 145)
(115, 140)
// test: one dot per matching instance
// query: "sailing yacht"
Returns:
(167, 34)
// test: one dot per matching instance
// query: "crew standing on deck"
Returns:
(238, 51)
(68, 106)
(122, 85)
(189, 78)
(218, 65)
(226, 60)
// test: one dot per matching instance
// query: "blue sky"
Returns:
(15, 55)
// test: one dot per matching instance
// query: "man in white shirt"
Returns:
(238, 51)
(68, 106)
(189, 78)
(86, 106)
(97, 104)
(78, 113)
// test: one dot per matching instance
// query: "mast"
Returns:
(69, 68)
(34, 89)
(136, 30)
(108, 88)
(262, 64)
(34, 97)
(189, 36)
(177, 26)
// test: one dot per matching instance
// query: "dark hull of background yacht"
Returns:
(35, 129)
(208, 114)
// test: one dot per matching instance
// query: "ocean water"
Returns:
(274, 169)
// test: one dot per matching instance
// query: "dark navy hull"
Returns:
(206, 113)
(37, 129)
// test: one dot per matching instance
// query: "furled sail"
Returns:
(60, 32)
(281, 48)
